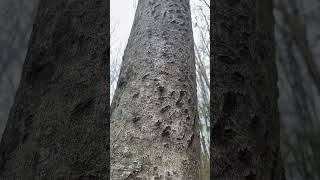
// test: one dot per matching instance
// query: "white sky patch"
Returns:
(121, 20)
(122, 15)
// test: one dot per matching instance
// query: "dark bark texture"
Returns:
(57, 127)
(153, 113)
(245, 122)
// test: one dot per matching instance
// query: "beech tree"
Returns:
(245, 123)
(154, 109)
(58, 126)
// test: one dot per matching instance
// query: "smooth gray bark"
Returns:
(245, 122)
(153, 113)
(57, 127)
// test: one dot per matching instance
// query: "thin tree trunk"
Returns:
(58, 125)
(245, 122)
(153, 113)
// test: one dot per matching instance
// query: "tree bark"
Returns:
(153, 113)
(58, 126)
(245, 122)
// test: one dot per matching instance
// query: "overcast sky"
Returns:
(121, 14)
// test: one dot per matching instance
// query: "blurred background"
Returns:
(297, 56)
(16, 20)
(298, 61)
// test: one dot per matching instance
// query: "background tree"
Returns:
(16, 19)
(201, 28)
(57, 125)
(153, 113)
(245, 124)
(297, 31)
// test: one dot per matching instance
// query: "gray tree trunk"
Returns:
(153, 113)
(57, 127)
(245, 126)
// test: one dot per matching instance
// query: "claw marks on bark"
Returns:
(136, 95)
(175, 12)
(154, 7)
(165, 109)
(136, 119)
(166, 132)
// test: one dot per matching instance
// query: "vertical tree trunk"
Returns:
(58, 124)
(153, 113)
(245, 126)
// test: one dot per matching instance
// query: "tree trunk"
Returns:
(245, 122)
(153, 113)
(58, 125)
